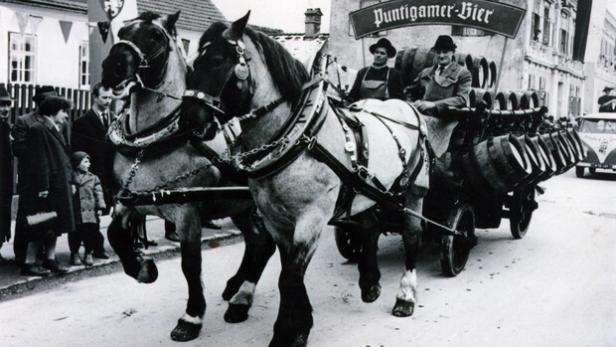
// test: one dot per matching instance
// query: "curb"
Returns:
(35, 284)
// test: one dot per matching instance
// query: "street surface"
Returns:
(556, 287)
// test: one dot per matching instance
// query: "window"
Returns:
(84, 65)
(546, 26)
(22, 58)
(564, 41)
(535, 29)
(531, 82)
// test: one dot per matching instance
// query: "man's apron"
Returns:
(372, 89)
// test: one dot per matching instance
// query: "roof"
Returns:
(301, 47)
(73, 5)
(197, 15)
(600, 115)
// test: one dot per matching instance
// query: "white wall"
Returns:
(57, 61)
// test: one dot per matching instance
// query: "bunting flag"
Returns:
(22, 21)
(103, 29)
(34, 23)
(66, 29)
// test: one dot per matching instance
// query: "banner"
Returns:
(486, 15)
(112, 13)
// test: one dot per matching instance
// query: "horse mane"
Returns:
(288, 74)
(148, 16)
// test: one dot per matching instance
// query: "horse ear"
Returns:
(170, 23)
(236, 30)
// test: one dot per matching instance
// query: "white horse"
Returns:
(245, 74)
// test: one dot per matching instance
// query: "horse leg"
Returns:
(369, 274)
(189, 230)
(411, 236)
(294, 319)
(259, 247)
(142, 269)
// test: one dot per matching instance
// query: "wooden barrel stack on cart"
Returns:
(411, 61)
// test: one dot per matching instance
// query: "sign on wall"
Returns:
(499, 18)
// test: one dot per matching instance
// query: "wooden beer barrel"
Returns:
(493, 73)
(515, 100)
(501, 101)
(546, 156)
(567, 148)
(537, 162)
(497, 165)
(576, 139)
(477, 95)
(484, 72)
(411, 61)
(556, 151)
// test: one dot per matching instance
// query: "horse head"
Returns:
(140, 57)
(237, 70)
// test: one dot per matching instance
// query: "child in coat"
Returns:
(89, 205)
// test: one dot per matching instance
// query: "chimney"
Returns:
(313, 22)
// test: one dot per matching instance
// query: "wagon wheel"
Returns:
(349, 243)
(521, 210)
(455, 249)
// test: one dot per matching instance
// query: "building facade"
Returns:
(48, 40)
(539, 58)
(600, 62)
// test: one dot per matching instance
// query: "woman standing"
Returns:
(48, 188)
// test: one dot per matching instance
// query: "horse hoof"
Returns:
(185, 331)
(371, 293)
(148, 272)
(403, 308)
(233, 285)
(236, 313)
(301, 340)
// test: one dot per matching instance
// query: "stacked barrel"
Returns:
(509, 153)
(411, 61)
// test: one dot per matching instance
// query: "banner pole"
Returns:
(500, 66)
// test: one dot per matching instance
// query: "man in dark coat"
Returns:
(6, 167)
(47, 188)
(378, 81)
(607, 100)
(20, 132)
(88, 135)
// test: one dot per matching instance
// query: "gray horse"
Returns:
(244, 74)
(148, 65)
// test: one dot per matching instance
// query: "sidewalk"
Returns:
(13, 284)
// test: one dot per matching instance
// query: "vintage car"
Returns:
(598, 132)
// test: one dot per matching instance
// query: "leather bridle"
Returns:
(241, 71)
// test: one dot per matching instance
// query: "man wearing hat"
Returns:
(6, 169)
(446, 83)
(20, 133)
(607, 100)
(378, 81)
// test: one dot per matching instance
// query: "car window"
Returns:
(599, 126)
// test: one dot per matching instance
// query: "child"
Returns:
(89, 206)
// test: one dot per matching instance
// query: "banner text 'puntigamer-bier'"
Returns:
(490, 16)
